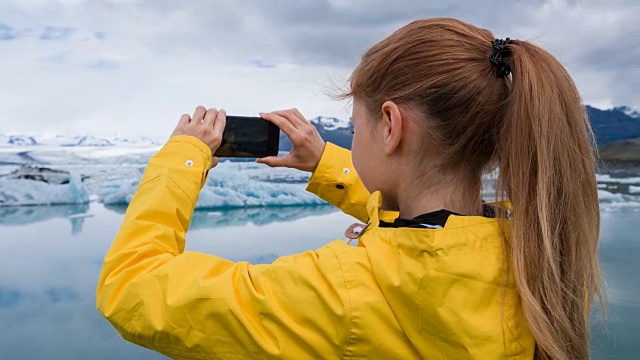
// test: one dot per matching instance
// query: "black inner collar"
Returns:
(434, 220)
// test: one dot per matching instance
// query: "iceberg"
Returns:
(606, 178)
(232, 185)
(44, 174)
(610, 201)
(17, 192)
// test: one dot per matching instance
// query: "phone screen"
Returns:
(251, 137)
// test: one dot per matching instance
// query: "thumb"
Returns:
(274, 161)
(214, 161)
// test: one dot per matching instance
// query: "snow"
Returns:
(65, 140)
(93, 141)
(60, 155)
(57, 140)
(16, 140)
(628, 111)
(634, 189)
(68, 140)
(135, 141)
(330, 123)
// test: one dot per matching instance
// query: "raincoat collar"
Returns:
(376, 214)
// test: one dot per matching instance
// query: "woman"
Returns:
(436, 274)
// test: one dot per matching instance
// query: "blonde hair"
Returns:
(533, 126)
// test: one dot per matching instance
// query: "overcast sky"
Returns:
(133, 67)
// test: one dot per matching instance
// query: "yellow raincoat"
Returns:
(401, 293)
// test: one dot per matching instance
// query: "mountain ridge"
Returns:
(611, 125)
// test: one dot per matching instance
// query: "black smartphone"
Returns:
(249, 137)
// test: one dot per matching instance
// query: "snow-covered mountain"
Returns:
(611, 125)
(17, 140)
(135, 141)
(77, 140)
(330, 123)
(334, 130)
(628, 111)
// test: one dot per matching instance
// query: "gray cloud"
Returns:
(594, 39)
(113, 63)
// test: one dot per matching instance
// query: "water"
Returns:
(50, 265)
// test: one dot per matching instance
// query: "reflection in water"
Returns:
(9, 297)
(203, 219)
(48, 278)
(24, 215)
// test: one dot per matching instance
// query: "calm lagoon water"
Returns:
(51, 258)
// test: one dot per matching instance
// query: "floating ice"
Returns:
(621, 180)
(232, 185)
(607, 196)
(617, 201)
(116, 192)
(29, 192)
(115, 171)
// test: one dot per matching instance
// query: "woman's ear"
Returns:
(393, 127)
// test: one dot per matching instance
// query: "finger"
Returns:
(300, 116)
(198, 115)
(210, 117)
(287, 114)
(283, 123)
(294, 116)
(184, 119)
(274, 161)
(215, 161)
(220, 123)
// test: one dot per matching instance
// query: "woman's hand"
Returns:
(206, 125)
(307, 143)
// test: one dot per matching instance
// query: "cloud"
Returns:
(57, 32)
(135, 66)
(7, 33)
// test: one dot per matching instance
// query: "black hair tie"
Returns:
(496, 57)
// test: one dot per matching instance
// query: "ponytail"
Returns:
(547, 170)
